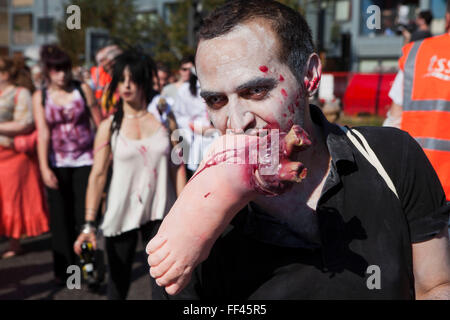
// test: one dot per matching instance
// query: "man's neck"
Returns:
(297, 207)
(317, 161)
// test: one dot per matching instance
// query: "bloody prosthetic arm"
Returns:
(236, 169)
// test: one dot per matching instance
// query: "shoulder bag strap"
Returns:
(368, 153)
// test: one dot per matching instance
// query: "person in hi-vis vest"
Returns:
(421, 99)
(101, 77)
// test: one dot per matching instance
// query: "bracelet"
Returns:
(88, 227)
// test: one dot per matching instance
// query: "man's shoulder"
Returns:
(387, 142)
(397, 151)
(379, 133)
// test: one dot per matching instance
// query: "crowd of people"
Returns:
(84, 149)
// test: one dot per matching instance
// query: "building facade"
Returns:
(344, 29)
(31, 23)
(340, 27)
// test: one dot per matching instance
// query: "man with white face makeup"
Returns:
(321, 239)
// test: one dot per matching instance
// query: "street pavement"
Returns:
(29, 276)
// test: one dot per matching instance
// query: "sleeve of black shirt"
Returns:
(421, 193)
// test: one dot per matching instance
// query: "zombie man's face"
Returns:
(244, 83)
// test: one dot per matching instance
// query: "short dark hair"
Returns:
(53, 57)
(187, 59)
(294, 35)
(426, 15)
(162, 67)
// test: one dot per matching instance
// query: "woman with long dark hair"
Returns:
(64, 112)
(144, 182)
(23, 211)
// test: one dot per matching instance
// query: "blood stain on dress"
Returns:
(206, 195)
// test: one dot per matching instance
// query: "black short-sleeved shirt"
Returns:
(362, 223)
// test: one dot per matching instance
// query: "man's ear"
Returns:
(313, 73)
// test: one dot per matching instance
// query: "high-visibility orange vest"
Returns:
(101, 80)
(426, 100)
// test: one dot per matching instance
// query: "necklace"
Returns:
(135, 116)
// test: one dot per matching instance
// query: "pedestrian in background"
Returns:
(191, 113)
(101, 77)
(423, 27)
(421, 99)
(23, 211)
(144, 183)
(64, 112)
(162, 78)
(184, 73)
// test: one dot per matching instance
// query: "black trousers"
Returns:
(120, 251)
(66, 205)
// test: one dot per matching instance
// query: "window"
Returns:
(342, 10)
(22, 3)
(438, 8)
(168, 10)
(3, 29)
(377, 65)
(393, 13)
(45, 25)
(148, 17)
(23, 29)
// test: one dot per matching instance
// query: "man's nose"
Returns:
(240, 119)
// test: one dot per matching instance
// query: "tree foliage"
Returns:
(166, 40)
(118, 17)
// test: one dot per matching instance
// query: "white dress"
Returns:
(141, 189)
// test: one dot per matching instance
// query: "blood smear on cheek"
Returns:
(281, 78)
(284, 93)
(263, 69)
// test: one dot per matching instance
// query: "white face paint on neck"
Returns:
(244, 82)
